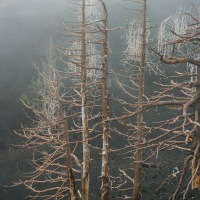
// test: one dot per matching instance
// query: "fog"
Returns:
(25, 29)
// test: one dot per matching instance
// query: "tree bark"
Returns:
(196, 140)
(70, 175)
(106, 183)
(138, 155)
(84, 112)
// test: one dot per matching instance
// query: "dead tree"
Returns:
(140, 96)
(178, 43)
(85, 69)
(138, 61)
(49, 137)
(84, 111)
(106, 183)
(135, 62)
(91, 65)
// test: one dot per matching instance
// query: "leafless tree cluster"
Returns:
(177, 44)
(49, 136)
(72, 102)
(180, 47)
(67, 102)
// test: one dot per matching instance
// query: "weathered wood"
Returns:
(106, 183)
(196, 139)
(137, 188)
(85, 174)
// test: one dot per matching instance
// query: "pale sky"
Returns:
(6, 3)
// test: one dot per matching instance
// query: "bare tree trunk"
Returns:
(106, 183)
(84, 111)
(70, 175)
(196, 140)
(65, 135)
(138, 155)
(50, 138)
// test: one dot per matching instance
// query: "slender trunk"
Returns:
(196, 141)
(138, 156)
(70, 175)
(65, 136)
(106, 183)
(84, 112)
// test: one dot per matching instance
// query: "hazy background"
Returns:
(25, 29)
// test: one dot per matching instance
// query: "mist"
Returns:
(25, 29)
